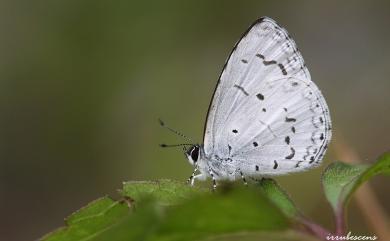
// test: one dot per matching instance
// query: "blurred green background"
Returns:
(82, 84)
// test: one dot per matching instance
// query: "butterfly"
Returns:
(266, 116)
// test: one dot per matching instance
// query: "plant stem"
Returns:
(314, 228)
(340, 221)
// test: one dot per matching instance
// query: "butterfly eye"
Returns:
(195, 153)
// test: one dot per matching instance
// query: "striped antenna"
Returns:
(174, 131)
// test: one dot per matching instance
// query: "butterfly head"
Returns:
(193, 154)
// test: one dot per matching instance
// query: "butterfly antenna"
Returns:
(174, 131)
(176, 145)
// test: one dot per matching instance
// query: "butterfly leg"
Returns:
(213, 178)
(191, 179)
(198, 177)
(243, 178)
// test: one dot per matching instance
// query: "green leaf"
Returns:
(340, 180)
(237, 210)
(279, 197)
(166, 192)
(196, 215)
(202, 216)
(90, 220)
(289, 235)
(95, 221)
(138, 226)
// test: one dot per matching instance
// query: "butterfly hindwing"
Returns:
(266, 112)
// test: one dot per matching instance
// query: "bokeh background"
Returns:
(82, 84)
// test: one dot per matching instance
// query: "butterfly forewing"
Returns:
(266, 112)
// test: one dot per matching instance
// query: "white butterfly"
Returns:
(266, 117)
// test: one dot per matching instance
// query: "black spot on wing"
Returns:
(271, 62)
(260, 96)
(310, 150)
(297, 165)
(257, 168)
(235, 131)
(281, 66)
(293, 129)
(260, 56)
(264, 109)
(290, 119)
(292, 154)
(255, 144)
(242, 89)
(287, 140)
(275, 164)
(244, 61)
(311, 159)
